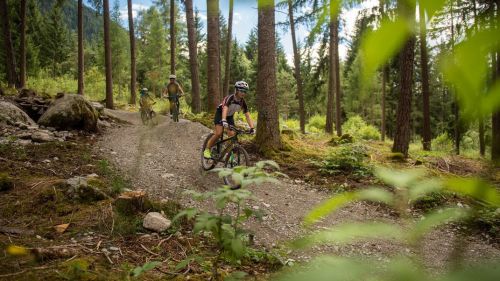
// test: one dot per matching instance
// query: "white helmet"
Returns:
(145, 89)
(241, 86)
(172, 76)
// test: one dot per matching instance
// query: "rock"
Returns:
(21, 125)
(12, 114)
(70, 112)
(98, 107)
(41, 136)
(83, 189)
(27, 93)
(156, 222)
(164, 176)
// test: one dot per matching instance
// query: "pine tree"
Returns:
(193, 58)
(133, 70)
(213, 82)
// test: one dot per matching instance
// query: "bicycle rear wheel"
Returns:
(153, 118)
(207, 164)
(238, 156)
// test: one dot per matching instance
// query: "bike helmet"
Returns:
(144, 89)
(241, 86)
(172, 76)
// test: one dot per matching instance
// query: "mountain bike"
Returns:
(148, 115)
(227, 151)
(175, 108)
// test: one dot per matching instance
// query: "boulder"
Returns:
(99, 107)
(12, 114)
(70, 112)
(156, 222)
(32, 103)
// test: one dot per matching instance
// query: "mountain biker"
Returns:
(173, 90)
(224, 114)
(145, 101)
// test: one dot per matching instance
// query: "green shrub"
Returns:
(470, 140)
(316, 124)
(291, 124)
(358, 128)
(442, 142)
(346, 158)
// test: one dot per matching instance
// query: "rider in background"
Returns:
(174, 91)
(146, 101)
(224, 114)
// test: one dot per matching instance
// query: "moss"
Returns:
(397, 156)
(6, 182)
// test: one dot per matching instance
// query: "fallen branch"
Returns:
(147, 250)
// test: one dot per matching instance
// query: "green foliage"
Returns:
(443, 143)
(316, 124)
(138, 271)
(408, 187)
(346, 158)
(225, 226)
(358, 128)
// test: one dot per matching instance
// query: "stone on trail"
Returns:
(156, 222)
(42, 136)
(11, 114)
(70, 111)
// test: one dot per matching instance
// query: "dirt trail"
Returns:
(164, 160)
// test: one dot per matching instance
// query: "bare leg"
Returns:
(217, 133)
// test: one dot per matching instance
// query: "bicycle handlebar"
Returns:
(238, 130)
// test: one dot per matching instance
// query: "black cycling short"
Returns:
(218, 118)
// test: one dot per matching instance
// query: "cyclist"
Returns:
(173, 92)
(146, 101)
(224, 114)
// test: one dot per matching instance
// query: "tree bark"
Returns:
(298, 76)
(172, 36)
(193, 58)
(384, 80)
(22, 80)
(107, 55)
(133, 71)
(80, 48)
(338, 94)
(482, 143)
(227, 67)
(331, 80)
(495, 118)
(403, 115)
(7, 40)
(213, 61)
(268, 135)
(424, 62)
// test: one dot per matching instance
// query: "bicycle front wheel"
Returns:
(238, 156)
(154, 119)
(207, 164)
(144, 117)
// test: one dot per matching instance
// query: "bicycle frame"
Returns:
(232, 139)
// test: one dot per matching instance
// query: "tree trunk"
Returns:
(331, 81)
(268, 135)
(7, 40)
(426, 133)
(80, 48)
(482, 143)
(384, 81)
(213, 62)
(172, 36)
(403, 115)
(338, 94)
(193, 58)
(298, 77)
(495, 118)
(22, 80)
(107, 55)
(133, 72)
(227, 67)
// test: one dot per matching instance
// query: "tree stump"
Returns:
(132, 202)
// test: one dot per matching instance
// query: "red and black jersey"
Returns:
(233, 105)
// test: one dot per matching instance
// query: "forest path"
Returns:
(164, 160)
